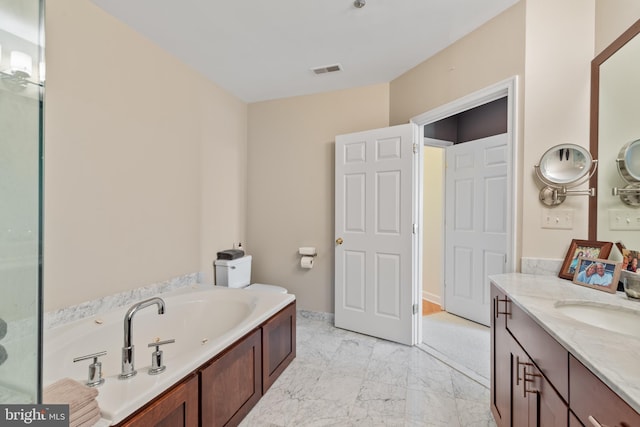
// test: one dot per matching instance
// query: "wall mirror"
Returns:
(628, 163)
(615, 91)
(562, 167)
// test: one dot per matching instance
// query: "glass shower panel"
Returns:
(21, 49)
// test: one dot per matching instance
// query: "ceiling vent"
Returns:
(327, 69)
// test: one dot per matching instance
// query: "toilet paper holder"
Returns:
(308, 255)
(307, 251)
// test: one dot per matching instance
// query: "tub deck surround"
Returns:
(203, 319)
(65, 315)
(611, 356)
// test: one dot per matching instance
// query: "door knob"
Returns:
(339, 240)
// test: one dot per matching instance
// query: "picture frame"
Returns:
(631, 260)
(586, 249)
(600, 274)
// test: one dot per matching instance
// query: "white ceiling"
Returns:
(260, 50)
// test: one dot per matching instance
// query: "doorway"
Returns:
(487, 113)
(375, 288)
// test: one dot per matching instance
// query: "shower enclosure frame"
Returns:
(21, 196)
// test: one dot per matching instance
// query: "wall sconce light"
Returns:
(21, 65)
(562, 167)
(19, 72)
(628, 163)
(42, 72)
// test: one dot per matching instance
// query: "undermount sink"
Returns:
(616, 319)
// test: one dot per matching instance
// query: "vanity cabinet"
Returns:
(593, 402)
(534, 400)
(535, 381)
(222, 391)
(176, 408)
(501, 344)
(521, 394)
(573, 420)
(546, 353)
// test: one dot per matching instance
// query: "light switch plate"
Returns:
(561, 219)
(624, 219)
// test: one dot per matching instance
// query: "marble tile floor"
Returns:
(341, 378)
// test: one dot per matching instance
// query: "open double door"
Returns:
(378, 211)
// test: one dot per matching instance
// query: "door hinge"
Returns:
(415, 308)
(415, 228)
(415, 148)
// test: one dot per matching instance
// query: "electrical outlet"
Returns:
(625, 220)
(561, 219)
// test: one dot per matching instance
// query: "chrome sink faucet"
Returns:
(128, 369)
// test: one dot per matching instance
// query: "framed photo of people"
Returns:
(585, 249)
(598, 274)
(630, 260)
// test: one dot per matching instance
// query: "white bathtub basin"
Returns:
(203, 322)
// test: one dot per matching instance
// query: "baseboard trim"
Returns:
(431, 297)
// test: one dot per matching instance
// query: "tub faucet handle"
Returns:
(156, 356)
(95, 368)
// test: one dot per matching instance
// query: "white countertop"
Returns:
(613, 357)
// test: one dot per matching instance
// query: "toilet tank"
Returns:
(235, 273)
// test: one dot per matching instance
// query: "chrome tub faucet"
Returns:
(128, 369)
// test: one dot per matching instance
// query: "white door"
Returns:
(374, 212)
(476, 223)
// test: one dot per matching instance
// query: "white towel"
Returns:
(81, 413)
(87, 418)
(70, 392)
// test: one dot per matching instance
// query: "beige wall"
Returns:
(553, 99)
(557, 99)
(150, 169)
(291, 148)
(492, 53)
(291, 184)
(433, 224)
(613, 17)
(559, 50)
(145, 173)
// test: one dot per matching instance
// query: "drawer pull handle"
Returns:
(524, 369)
(506, 311)
(527, 377)
(595, 422)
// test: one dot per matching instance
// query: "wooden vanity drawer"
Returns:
(550, 357)
(589, 396)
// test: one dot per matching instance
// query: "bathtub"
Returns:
(204, 320)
